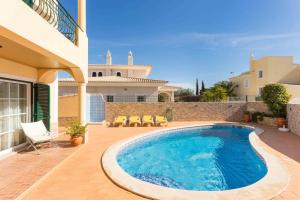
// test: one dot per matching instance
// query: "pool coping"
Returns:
(271, 185)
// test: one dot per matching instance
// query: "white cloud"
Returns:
(208, 40)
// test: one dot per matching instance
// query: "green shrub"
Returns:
(257, 116)
(169, 114)
(258, 98)
(216, 93)
(76, 129)
(276, 98)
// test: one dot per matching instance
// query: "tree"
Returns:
(276, 98)
(228, 86)
(215, 93)
(197, 88)
(182, 93)
(202, 88)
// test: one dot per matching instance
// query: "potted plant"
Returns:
(246, 117)
(276, 98)
(76, 131)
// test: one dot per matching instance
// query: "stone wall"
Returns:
(257, 107)
(268, 121)
(293, 111)
(182, 111)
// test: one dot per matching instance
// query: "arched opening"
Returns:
(99, 74)
(164, 97)
(119, 74)
(94, 74)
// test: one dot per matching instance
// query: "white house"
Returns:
(119, 83)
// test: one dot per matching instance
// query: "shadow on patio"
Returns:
(287, 144)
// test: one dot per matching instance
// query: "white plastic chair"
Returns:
(37, 133)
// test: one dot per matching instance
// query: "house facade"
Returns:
(38, 39)
(118, 83)
(267, 70)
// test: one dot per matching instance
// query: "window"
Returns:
(260, 91)
(94, 74)
(246, 83)
(14, 109)
(99, 74)
(118, 73)
(110, 98)
(141, 98)
(260, 74)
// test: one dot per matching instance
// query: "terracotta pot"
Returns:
(246, 118)
(75, 141)
(280, 121)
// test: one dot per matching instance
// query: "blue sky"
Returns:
(189, 39)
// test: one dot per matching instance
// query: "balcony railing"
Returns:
(54, 13)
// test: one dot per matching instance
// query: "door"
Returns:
(15, 108)
(42, 104)
(95, 108)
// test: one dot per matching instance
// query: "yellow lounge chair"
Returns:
(120, 121)
(161, 120)
(134, 120)
(147, 120)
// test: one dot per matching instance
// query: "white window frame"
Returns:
(120, 73)
(246, 83)
(111, 95)
(141, 94)
(92, 75)
(258, 90)
(258, 74)
(28, 116)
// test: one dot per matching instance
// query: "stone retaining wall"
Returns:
(268, 121)
(293, 116)
(182, 111)
(257, 107)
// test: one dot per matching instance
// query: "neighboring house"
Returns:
(34, 45)
(119, 83)
(270, 69)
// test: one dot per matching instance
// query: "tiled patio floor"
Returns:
(20, 171)
(81, 176)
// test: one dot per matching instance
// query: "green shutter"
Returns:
(42, 104)
(29, 2)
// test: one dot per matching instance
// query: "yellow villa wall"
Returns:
(276, 69)
(293, 90)
(15, 70)
(68, 109)
(36, 34)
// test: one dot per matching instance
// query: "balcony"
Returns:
(56, 15)
(42, 35)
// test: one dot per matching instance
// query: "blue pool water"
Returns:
(209, 158)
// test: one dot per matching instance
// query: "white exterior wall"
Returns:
(136, 73)
(124, 72)
(150, 92)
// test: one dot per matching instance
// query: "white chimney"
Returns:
(130, 58)
(108, 58)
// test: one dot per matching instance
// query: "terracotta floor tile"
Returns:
(20, 171)
(81, 175)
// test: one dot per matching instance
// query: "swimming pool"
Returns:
(223, 161)
(208, 158)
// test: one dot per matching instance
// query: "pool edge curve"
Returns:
(271, 185)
